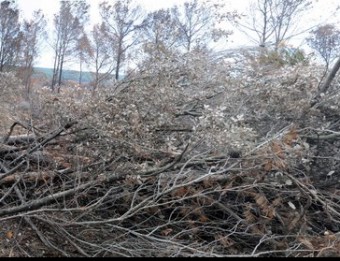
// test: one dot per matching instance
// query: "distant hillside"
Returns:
(68, 75)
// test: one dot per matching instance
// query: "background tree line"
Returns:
(129, 34)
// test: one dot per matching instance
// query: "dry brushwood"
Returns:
(202, 205)
(161, 170)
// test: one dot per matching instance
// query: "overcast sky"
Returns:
(323, 11)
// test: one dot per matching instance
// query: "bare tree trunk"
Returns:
(60, 72)
(55, 71)
(118, 65)
(80, 71)
(2, 62)
(324, 87)
(28, 80)
(97, 80)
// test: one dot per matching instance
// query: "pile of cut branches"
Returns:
(260, 204)
(168, 163)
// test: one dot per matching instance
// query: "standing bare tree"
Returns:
(32, 33)
(325, 40)
(270, 22)
(102, 54)
(196, 22)
(123, 22)
(10, 36)
(69, 27)
(159, 33)
(83, 51)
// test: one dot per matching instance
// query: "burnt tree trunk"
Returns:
(325, 86)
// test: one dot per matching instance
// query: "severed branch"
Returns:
(44, 141)
(5, 149)
(5, 139)
(29, 176)
(33, 226)
(19, 139)
(189, 113)
(35, 204)
(323, 137)
(173, 129)
(157, 171)
(332, 136)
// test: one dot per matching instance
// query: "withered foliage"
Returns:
(186, 158)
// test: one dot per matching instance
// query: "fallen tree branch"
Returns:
(5, 149)
(29, 177)
(322, 137)
(43, 142)
(11, 129)
(157, 171)
(35, 204)
(19, 139)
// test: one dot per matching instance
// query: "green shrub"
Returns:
(283, 56)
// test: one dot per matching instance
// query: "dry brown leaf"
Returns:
(208, 183)
(277, 202)
(204, 218)
(279, 165)
(249, 216)
(166, 232)
(277, 149)
(293, 223)
(290, 137)
(225, 241)
(185, 211)
(268, 166)
(180, 192)
(306, 242)
(262, 201)
(271, 213)
(329, 235)
(9, 234)
(266, 209)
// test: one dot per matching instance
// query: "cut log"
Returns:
(20, 139)
(5, 149)
(29, 177)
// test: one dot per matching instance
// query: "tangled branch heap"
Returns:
(172, 164)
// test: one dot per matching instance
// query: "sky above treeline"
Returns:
(323, 12)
